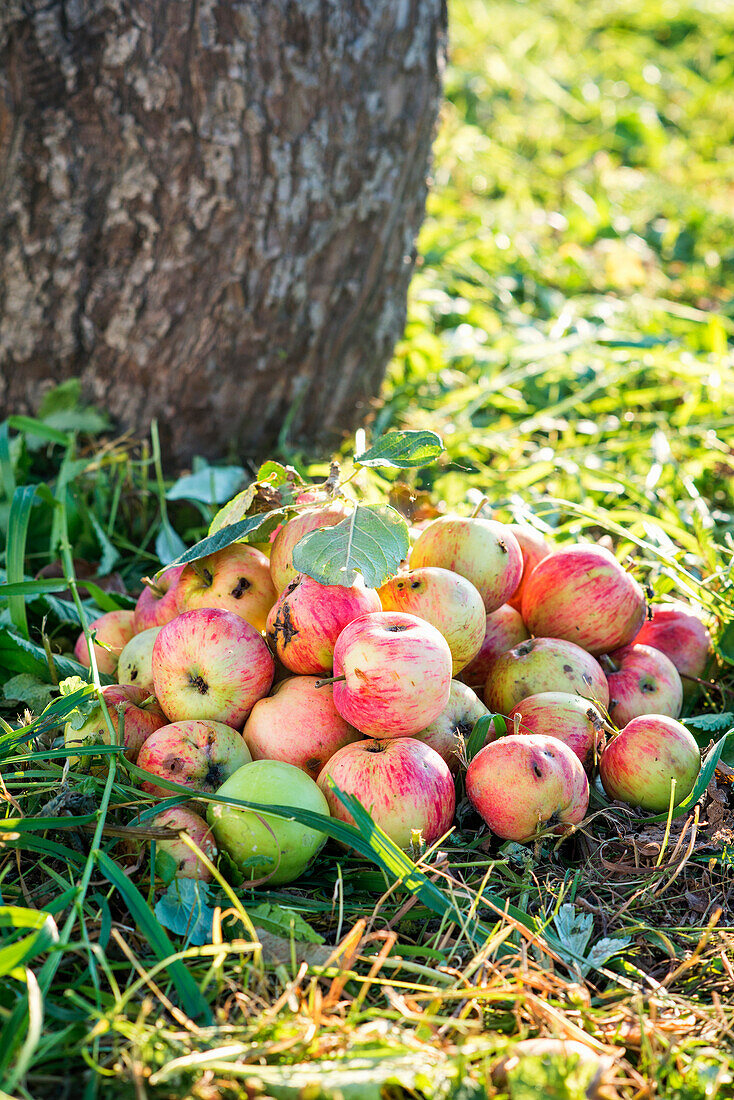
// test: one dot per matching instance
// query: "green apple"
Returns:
(264, 846)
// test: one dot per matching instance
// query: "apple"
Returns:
(503, 629)
(299, 724)
(141, 718)
(199, 755)
(482, 550)
(569, 718)
(454, 724)
(308, 617)
(113, 630)
(261, 845)
(211, 664)
(393, 674)
(534, 549)
(520, 785)
(136, 660)
(677, 631)
(179, 820)
(403, 783)
(583, 595)
(642, 681)
(444, 599)
(281, 554)
(641, 763)
(544, 664)
(236, 579)
(156, 604)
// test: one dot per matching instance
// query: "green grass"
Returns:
(569, 336)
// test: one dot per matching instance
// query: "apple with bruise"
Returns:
(197, 754)
(482, 550)
(141, 717)
(454, 725)
(642, 681)
(643, 762)
(569, 718)
(544, 664)
(112, 633)
(236, 578)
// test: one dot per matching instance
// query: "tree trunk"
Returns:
(208, 208)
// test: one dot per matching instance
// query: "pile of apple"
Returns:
(377, 690)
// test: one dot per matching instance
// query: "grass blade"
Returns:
(20, 514)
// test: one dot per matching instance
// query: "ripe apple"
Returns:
(522, 784)
(210, 664)
(639, 765)
(156, 605)
(281, 555)
(397, 674)
(199, 755)
(262, 845)
(677, 631)
(454, 724)
(543, 664)
(179, 820)
(403, 784)
(569, 718)
(643, 681)
(114, 630)
(136, 660)
(141, 718)
(503, 629)
(534, 549)
(583, 594)
(482, 550)
(308, 617)
(298, 724)
(444, 599)
(236, 579)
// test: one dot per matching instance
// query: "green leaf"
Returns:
(373, 541)
(28, 690)
(403, 450)
(183, 909)
(32, 588)
(725, 644)
(252, 529)
(711, 723)
(169, 545)
(37, 431)
(483, 727)
(283, 922)
(16, 954)
(21, 655)
(109, 555)
(212, 485)
(20, 514)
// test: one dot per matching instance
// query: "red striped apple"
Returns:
(156, 605)
(568, 718)
(643, 681)
(534, 549)
(211, 664)
(583, 594)
(236, 579)
(199, 755)
(179, 820)
(281, 555)
(136, 660)
(677, 631)
(544, 664)
(308, 617)
(454, 724)
(444, 599)
(485, 552)
(520, 785)
(141, 718)
(503, 629)
(402, 783)
(298, 724)
(640, 764)
(114, 630)
(393, 673)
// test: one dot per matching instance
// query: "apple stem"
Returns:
(480, 507)
(155, 589)
(607, 663)
(330, 680)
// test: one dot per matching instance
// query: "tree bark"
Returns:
(208, 208)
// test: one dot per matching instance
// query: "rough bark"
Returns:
(208, 208)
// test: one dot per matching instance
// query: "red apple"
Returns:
(503, 629)
(534, 549)
(181, 820)
(397, 674)
(156, 605)
(236, 579)
(543, 664)
(308, 617)
(520, 785)
(485, 552)
(454, 724)
(299, 724)
(141, 718)
(583, 594)
(569, 718)
(114, 630)
(210, 664)
(444, 599)
(402, 783)
(281, 555)
(199, 755)
(642, 762)
(644, 681)
(136, 660)
(677, 631)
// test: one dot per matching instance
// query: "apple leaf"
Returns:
(373, 541)
(168, 544)
(283, 922)
(402, 450)
(183, 909)
(251, 529)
